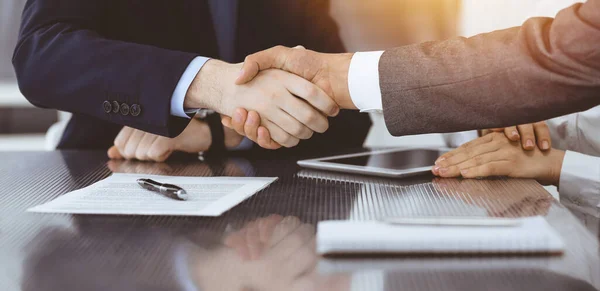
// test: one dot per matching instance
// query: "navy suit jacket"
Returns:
(75, 55)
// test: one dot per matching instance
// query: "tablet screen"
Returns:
(400, 160)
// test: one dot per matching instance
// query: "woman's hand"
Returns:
(529, 135)
(496, 155)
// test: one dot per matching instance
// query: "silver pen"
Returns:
(168, 190)
(453, 221)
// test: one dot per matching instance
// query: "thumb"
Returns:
(254, 63)
(114, 154)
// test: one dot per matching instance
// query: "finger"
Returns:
(476, 142)
(542, 135)
(239, 119)
(141, 153)
(253, 240)
(251, 126)
(527, 136)
(132, 144)
(461, 155)
(114, 154)
(306, 114)
(456, 170)
(161, 149)
(122, 138)
(499, 129)
(226, 121)
(314, 95)
(498, 168)
(283, 229)
(279, 135)
(265, 141)
(485, 132)
(237, 241)
(291, 125)
(512, 133)
(293, 241)
(254, 63)
(267, 226)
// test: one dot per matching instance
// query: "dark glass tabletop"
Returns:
(268, 241)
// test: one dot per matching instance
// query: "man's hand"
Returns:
(135, 144)
(529, 135)
(273, 94)
(328, 71)
(248, 124)
(495, 155)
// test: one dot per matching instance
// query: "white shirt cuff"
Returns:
(580, 182)
(178, 98)
(363, 81)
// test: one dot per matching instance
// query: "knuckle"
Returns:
(311, 90)
(312, 117)
(478, 160)
(297, 130)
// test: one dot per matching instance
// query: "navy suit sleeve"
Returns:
(63, 61)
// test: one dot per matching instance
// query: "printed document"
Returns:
(120, 194)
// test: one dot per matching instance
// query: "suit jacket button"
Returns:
(124, 109)
(135, 110)
(107, 106)
(116, 107)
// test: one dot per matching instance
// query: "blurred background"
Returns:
(364, 25)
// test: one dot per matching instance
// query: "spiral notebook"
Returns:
(531, 235)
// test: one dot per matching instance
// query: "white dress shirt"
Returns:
(579, 135)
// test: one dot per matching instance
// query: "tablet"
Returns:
(385, 163)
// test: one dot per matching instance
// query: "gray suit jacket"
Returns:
(543, 69)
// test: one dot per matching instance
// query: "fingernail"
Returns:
(436, 169)
(241, 73)
(545, 145)
(237, 117)
(529, 143)
(515, 133)
(443, 171)
(251, 119)
(440, 160)
(464, 172)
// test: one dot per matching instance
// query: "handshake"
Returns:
(277, 97)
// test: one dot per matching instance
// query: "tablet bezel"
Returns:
(323, 164)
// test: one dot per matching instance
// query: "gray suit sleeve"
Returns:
(543, 69)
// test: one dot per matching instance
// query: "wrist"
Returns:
(339, 67)
(210, 85)
(555, 167)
